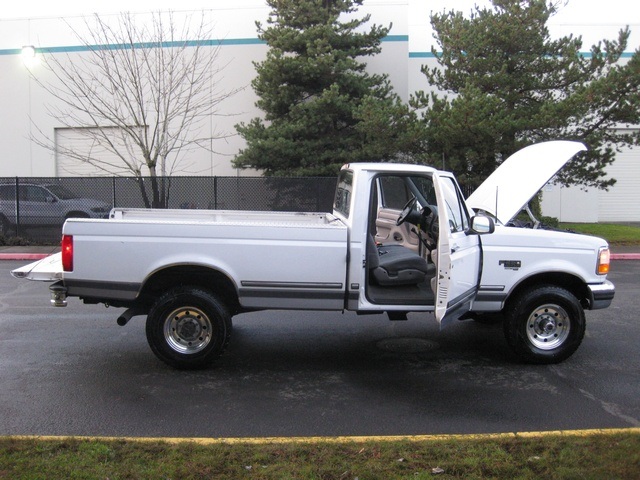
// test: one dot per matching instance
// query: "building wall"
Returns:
(25, 123)
(24, 113)
(620, 203)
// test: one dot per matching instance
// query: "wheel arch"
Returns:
(6, 226)
(575, 285)
(76, 214)
(206, 278)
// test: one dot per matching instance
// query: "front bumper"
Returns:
(601, 295)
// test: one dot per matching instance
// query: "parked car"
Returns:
(44, 206)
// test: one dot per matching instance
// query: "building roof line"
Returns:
(181, 43)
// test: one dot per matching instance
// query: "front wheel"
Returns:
(544, 324)
(188, 328)
(6, 229)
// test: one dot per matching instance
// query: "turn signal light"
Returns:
(67, 253)
(604, 257)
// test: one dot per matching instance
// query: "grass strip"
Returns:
(595, 456)
(615, 234)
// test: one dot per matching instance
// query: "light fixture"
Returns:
(28, 51)
(29, 57)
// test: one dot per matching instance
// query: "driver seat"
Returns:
(392, 265)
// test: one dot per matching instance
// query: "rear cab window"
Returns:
(344, 190)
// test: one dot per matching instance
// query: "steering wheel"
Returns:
(406, 210)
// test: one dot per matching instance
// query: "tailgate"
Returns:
(49, 269)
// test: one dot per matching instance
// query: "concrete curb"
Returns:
(23, 256)
(625, 256)
(338, 439)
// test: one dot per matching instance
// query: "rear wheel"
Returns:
(188, 327)
(544, 324)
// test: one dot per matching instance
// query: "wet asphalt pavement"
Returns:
(73, 371)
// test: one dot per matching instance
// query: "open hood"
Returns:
(510, 187)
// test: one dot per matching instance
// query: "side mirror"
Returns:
(481, 225)
(51, 199)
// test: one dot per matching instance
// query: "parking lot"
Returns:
(73, 371)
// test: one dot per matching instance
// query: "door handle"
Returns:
(397, 237)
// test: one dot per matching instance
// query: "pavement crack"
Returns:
(611, 408)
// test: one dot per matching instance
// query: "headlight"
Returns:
(604, 257)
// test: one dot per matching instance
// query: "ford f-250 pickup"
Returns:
(401, 239)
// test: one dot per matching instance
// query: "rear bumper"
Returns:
(601, 295)
(58, 294)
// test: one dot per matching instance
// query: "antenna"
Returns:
(496, 211)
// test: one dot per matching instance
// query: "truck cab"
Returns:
(409, 226)
(420, 246)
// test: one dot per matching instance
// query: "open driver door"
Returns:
(458, 255)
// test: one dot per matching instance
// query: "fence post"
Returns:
(17, 207)
(215, 193)
(113, 191)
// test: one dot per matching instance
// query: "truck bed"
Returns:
(274, 260)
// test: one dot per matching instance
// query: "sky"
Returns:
(591, 11)
(594, 19)
(62, 8)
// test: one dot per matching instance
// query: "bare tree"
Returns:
(145, 92)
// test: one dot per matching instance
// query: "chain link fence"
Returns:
(36, 208)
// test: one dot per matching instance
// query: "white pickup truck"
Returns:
(401, 239)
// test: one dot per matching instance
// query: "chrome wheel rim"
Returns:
(548, 326)
(187, 330)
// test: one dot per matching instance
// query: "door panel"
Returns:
(37, 207)
(388, 232)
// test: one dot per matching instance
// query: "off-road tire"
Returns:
(544, 324)
(188, 327)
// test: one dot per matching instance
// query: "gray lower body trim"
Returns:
(292, 295)
(458, 306)
(491, 293)
(102, 290)
(296, 285)
(489, 298)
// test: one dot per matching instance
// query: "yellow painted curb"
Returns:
(332, 440)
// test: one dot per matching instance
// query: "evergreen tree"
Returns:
(311, 87)
(513, 85)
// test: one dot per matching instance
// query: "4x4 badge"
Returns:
(510, 264)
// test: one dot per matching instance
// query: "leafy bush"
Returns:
(14, 241)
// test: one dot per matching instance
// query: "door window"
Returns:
(397, 191)
(35, 194)
(456, 209)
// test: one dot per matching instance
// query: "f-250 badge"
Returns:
(510, 264)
